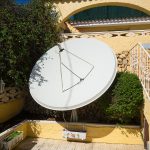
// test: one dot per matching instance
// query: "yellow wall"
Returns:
(10, 109)
(95, 132)
(119, 43)
(23, 127)
(68, 8)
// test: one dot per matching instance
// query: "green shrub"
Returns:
(121, 103)
(127, 98)
(26, 32)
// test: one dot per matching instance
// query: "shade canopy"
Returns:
(73, 74)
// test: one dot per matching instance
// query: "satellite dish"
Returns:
(73, 74)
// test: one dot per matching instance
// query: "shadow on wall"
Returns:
(129, 131)
(97, 133)
(34, 129)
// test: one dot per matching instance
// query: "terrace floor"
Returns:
(48, 144)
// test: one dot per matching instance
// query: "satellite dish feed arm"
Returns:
(60, 48)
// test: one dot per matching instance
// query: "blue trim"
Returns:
(22, 1)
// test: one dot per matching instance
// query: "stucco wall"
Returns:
(69, 7)
(118, 43)
(10, 109)
(95, 132)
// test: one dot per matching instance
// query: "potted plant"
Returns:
(10, 141)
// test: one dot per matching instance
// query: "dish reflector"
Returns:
(73, 74)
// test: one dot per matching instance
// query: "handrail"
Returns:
(134, 46)
(144, 49)
(140, 65)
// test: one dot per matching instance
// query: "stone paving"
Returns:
(49, 144)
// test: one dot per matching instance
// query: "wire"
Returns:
(61, 63)
(79, 57)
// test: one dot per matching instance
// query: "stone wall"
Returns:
(11, 93)
(123, 61)
(11, 103)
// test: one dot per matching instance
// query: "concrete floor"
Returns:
(48, 144)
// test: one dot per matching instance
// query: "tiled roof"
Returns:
(122, 21)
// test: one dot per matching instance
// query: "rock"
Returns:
(125, 62)
(124, 55)
(119, 60)
(5, 99)
(19, 96)
(12, 91)
(119, 63)
(121, 56)
(11, 95)
(7, 89)
(125, 52)
(2, 95)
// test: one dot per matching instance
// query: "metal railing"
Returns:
(140, 65)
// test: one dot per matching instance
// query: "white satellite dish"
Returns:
(73, 74)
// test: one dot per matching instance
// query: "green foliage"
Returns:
(26, 32)
(6, 2)
(12, 135)
(127, 98)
